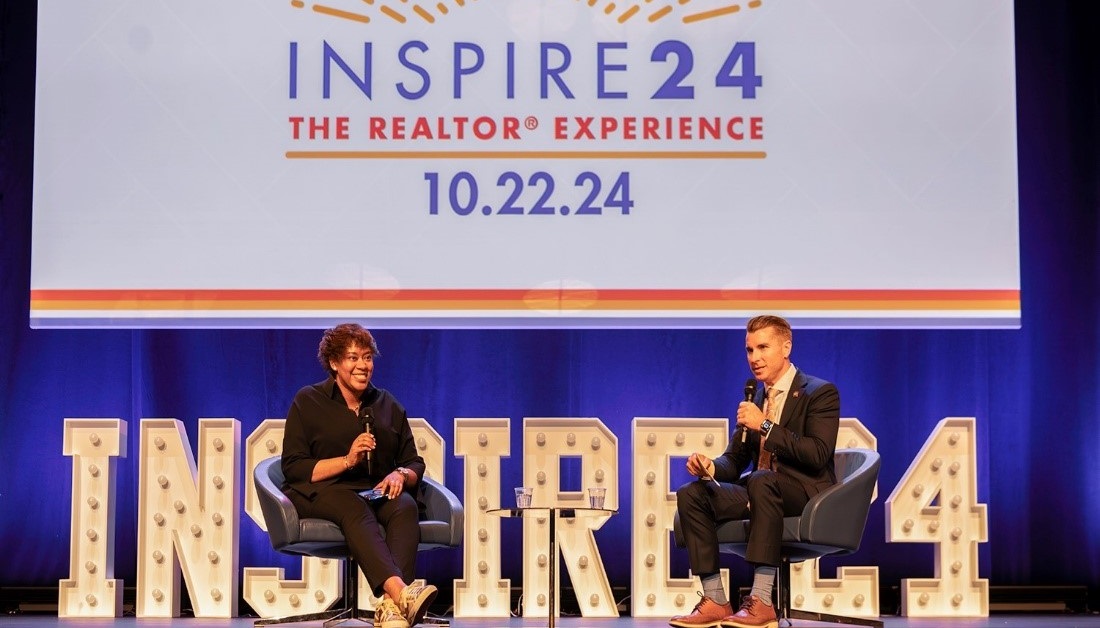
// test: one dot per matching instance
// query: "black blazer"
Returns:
(802, 442)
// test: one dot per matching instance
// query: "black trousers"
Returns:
(382, 535)
(764, 499)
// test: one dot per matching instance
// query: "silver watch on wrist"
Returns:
(766, 428)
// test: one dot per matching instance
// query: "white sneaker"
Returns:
(415, 600)
(387, 615)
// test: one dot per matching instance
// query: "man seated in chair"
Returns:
(344, 436)
(790, 441)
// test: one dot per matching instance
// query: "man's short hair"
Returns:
(782, 327)
(335, 342)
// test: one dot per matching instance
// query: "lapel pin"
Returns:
(795, 394)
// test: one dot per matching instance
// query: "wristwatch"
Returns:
(403, 471)
(766, 428)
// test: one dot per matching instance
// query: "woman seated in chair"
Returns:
(344, 436)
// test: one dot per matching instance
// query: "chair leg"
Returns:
(835, 619)
(348, 612)
(351, 598)
(785, 613)
(783, 591)
(289, 619)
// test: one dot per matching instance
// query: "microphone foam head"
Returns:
(750, 389)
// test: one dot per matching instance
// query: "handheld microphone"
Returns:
(750, 396)
(366, 420)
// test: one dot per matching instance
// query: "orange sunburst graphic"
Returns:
(402, 11)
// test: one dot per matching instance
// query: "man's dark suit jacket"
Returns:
(802, 442)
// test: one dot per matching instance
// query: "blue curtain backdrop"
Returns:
(1034, 391)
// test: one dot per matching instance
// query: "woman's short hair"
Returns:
(336, 341)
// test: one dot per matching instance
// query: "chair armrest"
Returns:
(440, 504)
(280, 516)
(836, 516)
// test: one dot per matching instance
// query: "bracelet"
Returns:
(347, 466)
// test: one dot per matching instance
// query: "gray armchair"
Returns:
(831, 524)
(441, 523)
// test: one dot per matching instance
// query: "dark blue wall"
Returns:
(1034, 391)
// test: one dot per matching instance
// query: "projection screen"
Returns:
(525, 163)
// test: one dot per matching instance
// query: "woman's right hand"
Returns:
(359, 447)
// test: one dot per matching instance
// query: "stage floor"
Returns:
(998, 621)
